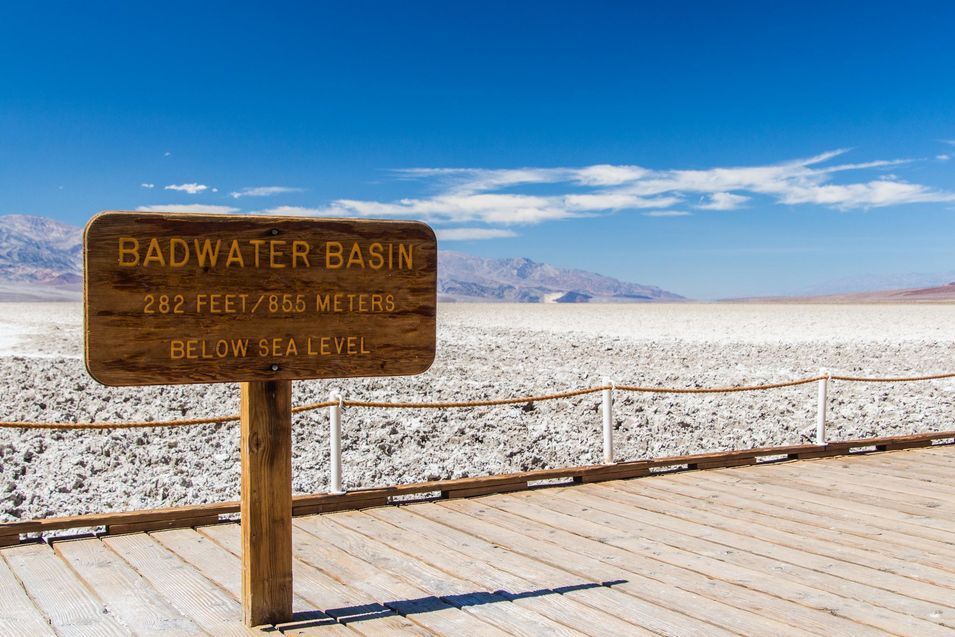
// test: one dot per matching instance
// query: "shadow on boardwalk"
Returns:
(431, 603)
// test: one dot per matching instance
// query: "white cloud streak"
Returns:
(294, 211)
(723, 201)
(473, 234)
(667, 213)
(484, 203)
(500, 197)
(194, 207)
(263, 191)
(147, 186)
(192, 189)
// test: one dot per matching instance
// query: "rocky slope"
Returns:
(466, 277)
(40, 250)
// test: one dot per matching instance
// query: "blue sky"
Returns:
(714, 149)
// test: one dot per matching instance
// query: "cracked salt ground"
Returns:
(484, 351)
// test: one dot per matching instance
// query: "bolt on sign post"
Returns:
(182, 298)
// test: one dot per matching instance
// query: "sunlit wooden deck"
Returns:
(849, 545)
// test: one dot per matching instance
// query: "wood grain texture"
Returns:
(489, 605)
(491, 575)
(323, 592)
(266, 450)
(17, 612)
(124, 591)
(180, 298)
(187, 590)
(72, 609)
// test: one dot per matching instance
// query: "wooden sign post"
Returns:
(181, 298)
(266, 450)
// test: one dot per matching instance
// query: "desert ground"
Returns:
(484, 351)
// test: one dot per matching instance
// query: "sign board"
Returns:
(183, 298)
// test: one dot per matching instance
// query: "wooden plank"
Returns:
(779, 515)
(719, 464)
(495, 488)
(390, 589)
(617, 592)
(18, 614)
(711, 561)
(928, 461)
(225, 569)
(866, 480)
(909, 468)
(187, 590)
(331, 506)
(11, 539)
(127, 595)
(944, 451)
(155, 525)
(916, 458)
(835, 508)
(621, 474)
(806, 549)
(119, 517)
(908, 473)
(359, 612)
(484, 576)
(187, 298)
(71, 608)
(833, 576)
(804, 479)
(489, 606)
(266, 452)
(816, 488)
(685, 602)
(939, 455)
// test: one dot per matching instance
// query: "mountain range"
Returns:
(463, 277)
(42, 259)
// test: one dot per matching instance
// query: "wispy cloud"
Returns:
(473, 234)
(263, 191)
(294, 211)
(507, 197)
(492, 196)
(667, 213)
(193, 207)
(147, 186)
(192, 189)
(723, 201)
(943, 157)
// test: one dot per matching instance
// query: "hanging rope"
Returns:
(185, 422)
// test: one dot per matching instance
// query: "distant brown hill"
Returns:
(937, 294)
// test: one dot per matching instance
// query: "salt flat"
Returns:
(484, 351)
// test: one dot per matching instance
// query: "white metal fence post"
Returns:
(608, 421)
(823, 384)
(335, 440)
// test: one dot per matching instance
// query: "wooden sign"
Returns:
(183, 298)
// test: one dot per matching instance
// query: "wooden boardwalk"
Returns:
(859, 545)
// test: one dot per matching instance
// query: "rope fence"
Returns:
(340, 403)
